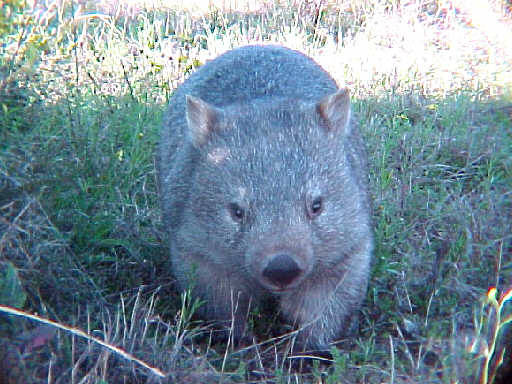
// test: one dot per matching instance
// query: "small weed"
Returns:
(490, 327)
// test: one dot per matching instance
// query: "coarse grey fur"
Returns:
(263, 184)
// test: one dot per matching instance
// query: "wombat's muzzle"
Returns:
(281, 271)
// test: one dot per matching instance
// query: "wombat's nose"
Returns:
(282, 270)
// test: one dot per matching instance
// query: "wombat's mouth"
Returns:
(278, 291)
(280, 287)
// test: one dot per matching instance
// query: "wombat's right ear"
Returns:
(335, 109)
(201, 119)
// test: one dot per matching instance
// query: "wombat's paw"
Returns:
(311, 341)
(232, 332)
(246, 340)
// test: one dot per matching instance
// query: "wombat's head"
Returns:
(276, 191)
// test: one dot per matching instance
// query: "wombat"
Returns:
(263, 183)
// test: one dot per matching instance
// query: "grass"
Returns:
(82, 91)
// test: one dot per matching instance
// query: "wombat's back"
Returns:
(245, 74)
(255, 72)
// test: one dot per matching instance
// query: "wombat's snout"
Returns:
(282, 270)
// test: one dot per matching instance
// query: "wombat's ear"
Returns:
(201, 119)
(335, 109)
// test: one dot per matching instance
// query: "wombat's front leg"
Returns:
(225, 298)
(323, 309)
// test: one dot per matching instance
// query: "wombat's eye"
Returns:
(237, 212)
(315, 207)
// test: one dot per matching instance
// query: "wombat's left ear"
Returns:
(335, 109)
(201, 119)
